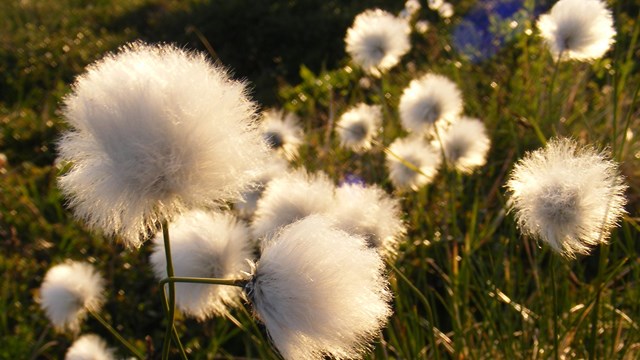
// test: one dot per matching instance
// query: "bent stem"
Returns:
(171, 309)
(117, 335)
(174, 332)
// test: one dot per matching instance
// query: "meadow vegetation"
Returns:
(466, 283)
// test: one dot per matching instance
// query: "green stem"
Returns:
(426, 304)
(197, 280)
(117, 335)
(172, 297)
(174, 331)
(556, 333)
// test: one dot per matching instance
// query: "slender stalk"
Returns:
(166, 345)
(174, 332)
(556, 333)
(117, 335)
(197, 280)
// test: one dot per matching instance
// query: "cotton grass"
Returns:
(577, 29)
(290, 198)
(358, 126)
(89, 347)
(281, 132)
(412, 163)
(568, 196)
(205, 245)
(155, 131)
(430, 99)
(320, 292)
(68, 291)
(465, 144)
(377, 40)
(369, 212)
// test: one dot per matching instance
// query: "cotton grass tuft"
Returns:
(320, 292)
(377, 40)
(155, 131)
(68, 291)
(205, 245)
(89, 347)
(290, 198)
(281, 132)
(369, 212)
(578, 29)
(428, 100)
(465, 144)
(358, 126)
(568, 196)
(423, 159)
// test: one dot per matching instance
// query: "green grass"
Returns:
(467, 285)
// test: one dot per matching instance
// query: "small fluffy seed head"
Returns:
(568, 196)
(290, 198)
(89, 347)
(207, 245)
(68, 291)
(422, 157)
(465, 144)
(320, 292)
(377, 40)
(155, 131)
(358, 126)
(273, 168)
(281, 132)
(428, 100)
(578, 29)
(369, 212)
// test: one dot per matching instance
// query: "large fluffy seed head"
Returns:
(578, 29)
(358, 126)
(290, 198)
(89, 347)
(427, 100)
(377, 40)
(320, 292)
(68, 291)
(369, 212)
(155, 130)
(465, 144)
(207, 245)
(281, 132)
(423, 159)
(568, 196)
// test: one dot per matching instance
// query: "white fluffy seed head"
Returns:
(358, 126)
(290, 198)
(68, 291)
(578, 29)
(207, 245)
(377, 40)
(369, 212)
(415, 152)
(274, 167)
(465, 144)
(155, 131)
(428, 100)
(320, 292)
(281, 132)
(568, 196)
(89, 347)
